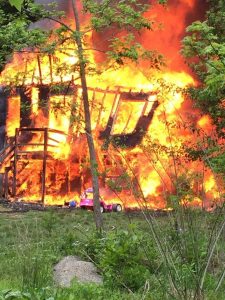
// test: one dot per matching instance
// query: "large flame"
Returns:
(156, 164)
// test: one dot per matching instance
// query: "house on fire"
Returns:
(42, 138)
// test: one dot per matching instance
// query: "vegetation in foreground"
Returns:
(126, 255)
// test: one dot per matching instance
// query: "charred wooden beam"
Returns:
(6, 182)
(146, 115)
(32, 129)
(39, 69)
(3, 114)
(102, 105)
(135, 96)
(64, 88)
(43, 101)
(15, 164)
(106, 133)
(131, 140)
(50, 67)
(7, 153)
(23, 166)
(45, 153)
(116, 102)
(2, 190)
(26, 106)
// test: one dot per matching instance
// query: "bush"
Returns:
(76, 292)
(121, 258)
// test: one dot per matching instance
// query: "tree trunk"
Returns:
(90, 140)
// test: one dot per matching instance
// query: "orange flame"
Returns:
(156, 163)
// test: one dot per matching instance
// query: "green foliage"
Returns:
(121, 258)
(122, 261)
(15, 34)
(218, 163)
(206, 42)
(125, 16)
(76, 292)
(17, 4)
(122, 14)
(126, 255)
(205, 49)
(126, 48)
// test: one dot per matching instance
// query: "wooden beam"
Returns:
(50, 66)
(45, 152)
(6, 182)
(39, 69)
(102, 105)
(15, 163)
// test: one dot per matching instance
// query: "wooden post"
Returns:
(127, 123)
(6, 182)
(102, 105)
(26, 106)
(115, 102)
(92, 102)
(45, 152)
(50, 66)
(43, 101)
(79, 113)
(39, 69)
(15, 163)
(25, 72)
(33, 74)
(68, 182)
(115, 111)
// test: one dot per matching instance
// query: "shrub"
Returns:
(121, 258)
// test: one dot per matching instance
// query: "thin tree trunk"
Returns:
(92, 153)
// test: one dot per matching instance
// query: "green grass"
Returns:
(32, 242)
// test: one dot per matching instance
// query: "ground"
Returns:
(33, 242)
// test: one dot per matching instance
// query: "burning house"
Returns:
(43, 149)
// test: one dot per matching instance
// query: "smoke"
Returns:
(62, 5)
(170, 28)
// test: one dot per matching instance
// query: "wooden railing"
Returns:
(12, 153)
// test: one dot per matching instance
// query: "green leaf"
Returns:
(17, 4)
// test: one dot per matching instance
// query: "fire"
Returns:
(13, 117)
(60, 120)
(205, 123)
(209, 186)
(34, 98)
(124, 97)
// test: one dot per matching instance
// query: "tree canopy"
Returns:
(15, 33)
(204, 47)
